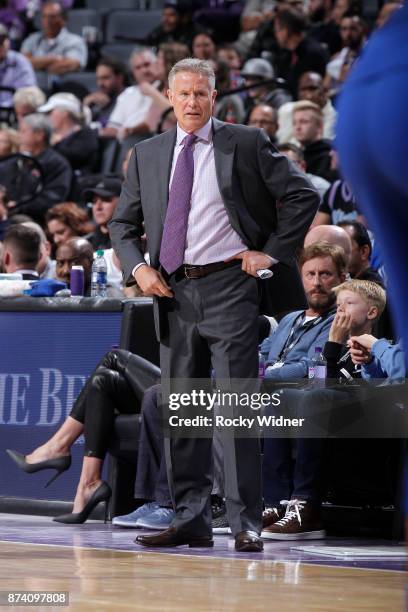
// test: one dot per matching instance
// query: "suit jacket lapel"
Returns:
(164, 161)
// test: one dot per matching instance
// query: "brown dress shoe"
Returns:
(248, 541)
(173, 537)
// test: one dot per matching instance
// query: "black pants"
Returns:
(293, 467)
(107, 392)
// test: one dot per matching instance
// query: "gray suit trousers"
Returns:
(212, 322)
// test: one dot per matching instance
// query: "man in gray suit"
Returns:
(218, 204)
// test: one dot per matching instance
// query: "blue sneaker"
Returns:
(130, 520)
(158, 519)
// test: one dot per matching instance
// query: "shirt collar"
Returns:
(204, 133)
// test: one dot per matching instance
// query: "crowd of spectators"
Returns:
(65, 141)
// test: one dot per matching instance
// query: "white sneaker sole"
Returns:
(123, 524)
(221, 530)
(306, 535)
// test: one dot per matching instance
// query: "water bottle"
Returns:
(261, 367)
(318, 367)
(99, 275)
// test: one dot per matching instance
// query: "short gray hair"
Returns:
(39, 123)
(197, 66)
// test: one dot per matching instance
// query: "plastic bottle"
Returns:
(261, 368)
(318, 367)
(99, 275)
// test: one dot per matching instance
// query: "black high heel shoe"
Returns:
(59, 463)
(102, 493)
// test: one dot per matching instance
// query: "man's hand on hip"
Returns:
(151, 282)
(253, 261)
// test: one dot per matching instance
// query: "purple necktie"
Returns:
(173, 242)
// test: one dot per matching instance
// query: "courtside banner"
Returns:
(45, 359)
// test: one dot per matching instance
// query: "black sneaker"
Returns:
(220, 524)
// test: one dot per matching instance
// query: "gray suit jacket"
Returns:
(269, 202)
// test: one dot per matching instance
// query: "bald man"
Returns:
(74, 252)
(331, 234)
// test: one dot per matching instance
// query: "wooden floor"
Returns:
(107, 580)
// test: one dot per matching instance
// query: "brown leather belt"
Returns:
(192, 272)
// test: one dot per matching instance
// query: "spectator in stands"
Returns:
(308, 130)
(67, 220)
(221, 17)
(299, 53)
(55, 50)
(129, 115)
(111, 79)
(228, 108)
(176, 25)
(353, 33)
(339, 204)
(295, 154)
(264, 116)
(35, 135)
(255, 72)
(332, 234)
(27, 100)
(167, 55)
(8, 142)
(204, 46)
(288, 351)
(359, 304)
(46, 265)
(21, 252)
(70, 137)
(311, 88)
(4, 222)
(361, 249)
(231, 55)
(255, 13)
(325, 18)
(104, 199)
(74, 252)
(15, 69)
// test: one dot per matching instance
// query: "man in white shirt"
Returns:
(129, 115)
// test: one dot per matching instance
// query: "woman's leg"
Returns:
(60, 443)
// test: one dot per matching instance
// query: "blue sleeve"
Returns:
(388, 362)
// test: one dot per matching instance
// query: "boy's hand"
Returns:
(340, 328)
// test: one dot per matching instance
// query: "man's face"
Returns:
(192, 99)
(353, 304)
(306, 126)
(359, 255)
(4, 47)
(231, 57)
(59, 231)
(144, 67)
(103, 209)
(203, 47)
(29, 139)
(311, 88)
(319, 276)
(66, 257)
(264, 117)
(351, 32)
(52, 20)
(107, 81)
(170, 19)
(281, 34)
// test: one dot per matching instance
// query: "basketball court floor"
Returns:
(102, 569)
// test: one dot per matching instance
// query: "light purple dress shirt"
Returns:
(15, 71)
